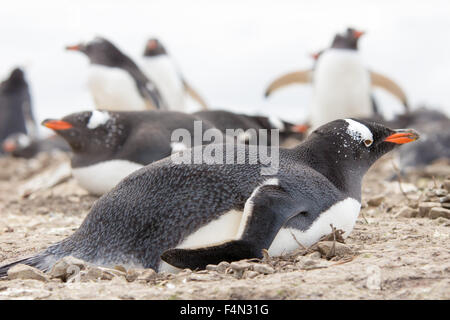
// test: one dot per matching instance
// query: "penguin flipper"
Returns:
(289, 78)
(195, 95)
(152, 96)
(264, 215)
(379, 80)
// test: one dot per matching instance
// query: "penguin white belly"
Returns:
(101, 177)
(114, 89)
(341, 87)
(341, 215)
(161, 70)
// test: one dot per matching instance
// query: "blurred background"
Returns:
(229, 51)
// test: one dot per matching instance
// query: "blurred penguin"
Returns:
(115, 81)
(16, 115)
(160, 67)
(20, 145)
(341, 82)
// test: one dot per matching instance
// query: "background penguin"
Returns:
(434, 144)
(191, 215)
(224, 120)
(115, 81)
(20, 145)
(161, 69)
(16, 114)
(107, 146)
(341, 82)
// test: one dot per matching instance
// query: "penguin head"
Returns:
(99, 51)
(347, 40)
(154, 48)
(16, 80)
(355, 143)
(90, 132)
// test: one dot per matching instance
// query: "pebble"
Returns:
(309, 264)
(24, 272)
(439, 212)
(425, 207)
(375, 201)
(340, 249)
(66, 267)
(222, 267)
(440, 192)
(263, 268)
(249, 274)
(240, 265)
(211, 267)
(140, 274)
(446, 185)
(406, 212)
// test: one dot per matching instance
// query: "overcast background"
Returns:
(229, 51)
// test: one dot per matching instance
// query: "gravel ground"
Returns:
(399, 248)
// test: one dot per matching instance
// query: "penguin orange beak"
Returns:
(57, 124)
(9, 146)
(357, 34)
(403, 136)
(300, 128)
(76, 47)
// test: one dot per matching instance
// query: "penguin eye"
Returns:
(368, 142)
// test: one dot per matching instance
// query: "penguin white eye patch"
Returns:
(358, 131)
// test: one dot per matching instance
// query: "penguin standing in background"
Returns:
(341, 82)
(224, 120)
(107, 146)
(161, 69)
(16, 114)
(193, 214)
(115, 81)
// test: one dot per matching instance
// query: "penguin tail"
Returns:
(42, 261)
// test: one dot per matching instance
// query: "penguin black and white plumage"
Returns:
(190, 215)
(107, 145)
(16, 115)
(20, 145)
(224, 120)
(161, 69)
(342, 85)
(115, 81)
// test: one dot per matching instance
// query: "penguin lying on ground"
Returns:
(160, 68)
(16, 114)
(107, 146)
(434, 144)
(224, 120)
(115, 81)
(191, 215)
(20, 145)
(341, 82)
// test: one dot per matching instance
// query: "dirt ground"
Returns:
(396, 250)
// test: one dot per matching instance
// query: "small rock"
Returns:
(445, 199)
(211, 267)
(203, 277)
(375, 201)
(24, 272)
(308, 264)
(240, 265)
(440, 192)
(67, 267)
(92, 274)
(140, 274)
(340, 249)
(425, 207)
(406, 212)
(439, 212)
(120, 268)
(222, 267)
(315, 255)
(263, 268)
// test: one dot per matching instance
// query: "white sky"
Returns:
(231, 50)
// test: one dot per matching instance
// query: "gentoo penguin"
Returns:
(434, 144)
(16, 114)
(115, 81)
(107, 145)
(20, 145)
(161, 69)
(191, 215)
(224, 120)
(341, 82)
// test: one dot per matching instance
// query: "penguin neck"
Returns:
(345, 174)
